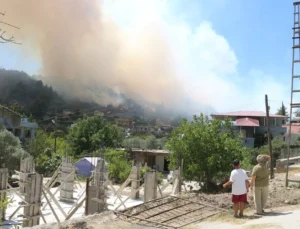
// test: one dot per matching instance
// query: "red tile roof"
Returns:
(248, 114)
(295, 128)
(247, 122)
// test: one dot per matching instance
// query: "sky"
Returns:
(227, 53)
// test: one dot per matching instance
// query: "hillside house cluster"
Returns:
(252, 123)
(13, 122)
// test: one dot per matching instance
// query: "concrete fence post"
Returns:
(67, 179)
(150, 186)
(26, 167)
(33, 194)
(135, 181)
(3, 188)
(96, 193)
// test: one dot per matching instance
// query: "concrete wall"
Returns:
(248, 142)
(159, 162)
(12, 119)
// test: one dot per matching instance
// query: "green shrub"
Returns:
(119, 165)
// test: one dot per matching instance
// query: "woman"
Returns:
(260, 182)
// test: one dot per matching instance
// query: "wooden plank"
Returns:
(55, 201)
(86, 192)
(294, 181)
(123, 202)
(32, 193)
(37, 198)
(28, 179)
(15, 212)
(50, 205)
(119, 191)
(20, 196)
(2, 194)
(58, 189)
(43, 217)
(75, 209)
(114, 191)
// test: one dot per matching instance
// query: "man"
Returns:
(260, 182)
(240, 187)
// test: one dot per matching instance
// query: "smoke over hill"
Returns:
(83, 53)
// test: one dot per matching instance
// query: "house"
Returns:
(13, 122)
(295, 132)
(124, 122)
(142, 129)
(85, 166)
(253, 123)
(156, 159)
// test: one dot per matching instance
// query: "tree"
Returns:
(11, 151)
(42, 149)
(207, 148)
(282, 111)
(3, 37)
(119, 165)
(89, 132)
(15, 107)
(152, 142)
(278, 145)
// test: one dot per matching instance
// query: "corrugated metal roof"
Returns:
(158, 151)
(248, 114)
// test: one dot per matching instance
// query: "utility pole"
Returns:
(269, 137)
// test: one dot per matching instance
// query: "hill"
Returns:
(33, 97)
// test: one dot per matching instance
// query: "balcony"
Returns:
(25, 123)
(275, 131)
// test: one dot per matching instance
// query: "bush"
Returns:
(11, 151)
(145, 169)
(119, 165)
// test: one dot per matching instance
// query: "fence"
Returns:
(38, 200)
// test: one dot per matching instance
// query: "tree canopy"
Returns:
(11, 151)
(145, 142)
(42, 149)
(207, 148)
(282, 110)
(90, 132)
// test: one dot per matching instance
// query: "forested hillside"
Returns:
(32, 97)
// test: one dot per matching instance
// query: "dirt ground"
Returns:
(279, 196)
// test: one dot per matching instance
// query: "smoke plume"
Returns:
(83, 52)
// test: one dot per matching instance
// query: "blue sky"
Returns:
(256, 36)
